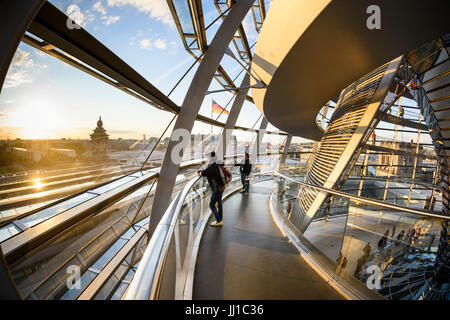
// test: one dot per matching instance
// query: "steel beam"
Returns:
(192, 103)
(403, 122)
(50, 24)
(15, 17)
(356, 132)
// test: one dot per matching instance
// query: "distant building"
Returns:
(69, 153)
(99, 139)
(402, 161)
(36, 150)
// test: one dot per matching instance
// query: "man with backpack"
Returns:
(217, 177)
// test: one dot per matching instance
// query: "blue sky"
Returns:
(57, 100)
(45, 98)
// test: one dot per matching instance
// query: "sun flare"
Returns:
(38, 121)
(37, 184)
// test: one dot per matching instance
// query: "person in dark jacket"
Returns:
(212, 173)
(245, 168)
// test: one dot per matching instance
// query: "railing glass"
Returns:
(167, 267)
(90, 244)
(364, 244)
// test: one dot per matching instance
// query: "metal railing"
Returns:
(167, 268)
(369, 201)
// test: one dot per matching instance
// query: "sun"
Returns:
(37, 184)
(38, 120)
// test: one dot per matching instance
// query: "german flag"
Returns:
(218, 109)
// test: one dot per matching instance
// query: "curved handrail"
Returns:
(145, 284)
(146, 281)
(377, 203)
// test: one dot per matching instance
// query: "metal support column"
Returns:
(222, 145)
(259, 137)
(286, 148)
(192, 103)
(391, 167)
(415, 162)
(15, 17)
(364, 171)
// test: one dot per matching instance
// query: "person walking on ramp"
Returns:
(245, 168)
(212, 173)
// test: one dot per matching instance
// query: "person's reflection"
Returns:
(362, 260)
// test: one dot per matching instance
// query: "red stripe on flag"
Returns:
(218, 109)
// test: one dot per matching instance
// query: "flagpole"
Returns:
(211, 116)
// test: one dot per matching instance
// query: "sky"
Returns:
(45, 98)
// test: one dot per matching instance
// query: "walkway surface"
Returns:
(248, 258)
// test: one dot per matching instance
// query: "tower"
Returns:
(99, 139)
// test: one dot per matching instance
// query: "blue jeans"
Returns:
(216, 197)
(245, 184)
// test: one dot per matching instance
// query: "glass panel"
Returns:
(108, 255)
(119, 291)
(8, 231)
(8, 213)
(110, 284)
(48, 152)
(352, 238)
(184, 16)
(112, 185)
(85, 279)
(129, 233)
(40, 216)
(401, 245)
(84, 240)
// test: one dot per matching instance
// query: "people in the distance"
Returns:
(212, 173)
(245, 168)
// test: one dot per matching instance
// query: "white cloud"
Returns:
(19, 70)
(39, 53)
(145, 44)
(110, 20)
(99, 8)
(16, 78)
(149, 44)
(156, 9)
(160, 44)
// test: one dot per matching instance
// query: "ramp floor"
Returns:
(248, 258)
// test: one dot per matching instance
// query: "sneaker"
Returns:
(218, 224)
(213, 224)
(246, 193)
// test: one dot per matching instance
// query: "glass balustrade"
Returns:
(389, 249)
(180, 233)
